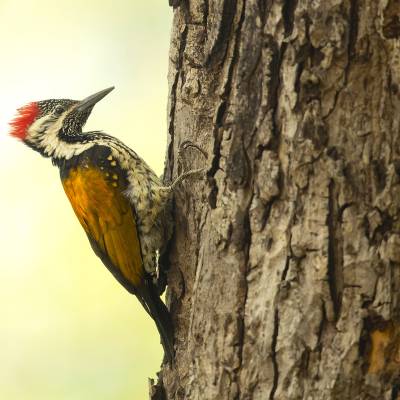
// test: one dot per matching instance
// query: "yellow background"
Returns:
(68, 330)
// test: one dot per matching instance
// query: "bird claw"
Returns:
(187, 144)
(184, 146)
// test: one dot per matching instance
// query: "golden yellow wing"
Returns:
(109, 222)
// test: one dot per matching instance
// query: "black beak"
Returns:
(90, 101)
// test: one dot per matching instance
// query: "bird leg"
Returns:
(186, 144)
(183, 176)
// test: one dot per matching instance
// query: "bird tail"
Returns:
(147, 295)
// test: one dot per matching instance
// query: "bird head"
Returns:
(45, 124)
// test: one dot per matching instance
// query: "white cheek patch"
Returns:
(44, 134)
(37, 128)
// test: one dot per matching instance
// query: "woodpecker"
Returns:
(120, 202)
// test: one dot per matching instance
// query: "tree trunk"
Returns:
(285, 265)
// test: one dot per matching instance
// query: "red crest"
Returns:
(23, 120)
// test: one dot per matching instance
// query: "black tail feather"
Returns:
(147, 294)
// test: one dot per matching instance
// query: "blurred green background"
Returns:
(68, 330)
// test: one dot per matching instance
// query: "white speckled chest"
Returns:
(151, 201)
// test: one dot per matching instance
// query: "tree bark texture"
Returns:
(284, 280)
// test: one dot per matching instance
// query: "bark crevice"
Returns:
(335, 274)
(273, 355)
(222, 109)
(168, 173)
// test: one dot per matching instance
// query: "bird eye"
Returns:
(59, 110)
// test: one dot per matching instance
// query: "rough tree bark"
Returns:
(285, 264)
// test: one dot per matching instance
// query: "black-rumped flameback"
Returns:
(120, 202)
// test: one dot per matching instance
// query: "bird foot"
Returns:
(186, 174)
(186, 144)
